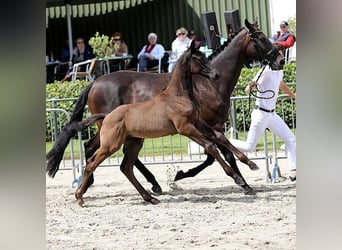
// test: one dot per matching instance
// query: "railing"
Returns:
(173, 149)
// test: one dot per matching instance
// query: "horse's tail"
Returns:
(55, 155)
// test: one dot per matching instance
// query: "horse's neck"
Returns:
(229, 63)
(180, 82)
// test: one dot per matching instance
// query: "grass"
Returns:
(168, 145)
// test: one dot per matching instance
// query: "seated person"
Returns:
(81, 53)
(179, 45)
(150, 54)
(284, 37)
(192, 36)
(118, 48)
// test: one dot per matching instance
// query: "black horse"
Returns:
(110, 91)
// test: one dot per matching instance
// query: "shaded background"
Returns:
(135, 19)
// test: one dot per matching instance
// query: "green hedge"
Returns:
(66, 90)
(73, 89)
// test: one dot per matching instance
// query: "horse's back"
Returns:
(123, 87)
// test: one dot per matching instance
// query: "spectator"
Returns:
(192, 36)
(179, 45)
(65, 52)
(264, 116)
(284, 37)
(150, 54)
(118, 48)
(80, 53)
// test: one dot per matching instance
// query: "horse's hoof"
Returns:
(293, 178)
(179, 175)
(154, 201)
(250, 191)
(157, 189)
(80, 202)
(253, 166)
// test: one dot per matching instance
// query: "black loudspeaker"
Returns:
(232, 19)
(211, 33)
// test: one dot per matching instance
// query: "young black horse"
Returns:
(110, 91)
(174, 110)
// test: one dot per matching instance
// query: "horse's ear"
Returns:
(247, 24)
(251, 26)
(192, 46)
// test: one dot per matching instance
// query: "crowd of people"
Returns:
(153, 53)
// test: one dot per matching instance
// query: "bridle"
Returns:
(267, 57)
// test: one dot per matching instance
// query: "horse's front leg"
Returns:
(218, 137)
(149, 176)
(241, 156)
(199, 136)
(229, 157)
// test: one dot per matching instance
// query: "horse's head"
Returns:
(261, 48)
(198, 63)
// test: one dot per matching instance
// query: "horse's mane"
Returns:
(220, 48)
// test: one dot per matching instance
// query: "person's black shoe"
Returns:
(293, 178)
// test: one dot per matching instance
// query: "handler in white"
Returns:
(264, 116)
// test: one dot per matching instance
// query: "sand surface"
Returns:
(208, 211)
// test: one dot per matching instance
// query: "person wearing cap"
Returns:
(150, 54)
(284, 37)
(178, 46)
(192, 36)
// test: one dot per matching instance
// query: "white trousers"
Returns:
(262, 120)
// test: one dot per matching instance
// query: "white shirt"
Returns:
(157, 51)
(269, 80)
(179, 47)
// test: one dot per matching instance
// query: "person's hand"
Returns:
(151, 58)
(250, 86)
(253, 84)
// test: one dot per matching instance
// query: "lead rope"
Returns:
(261, 92)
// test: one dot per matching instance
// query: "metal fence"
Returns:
(176, 149)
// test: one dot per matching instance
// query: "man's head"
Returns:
(152, 38)
(80, 43)
(284, 26)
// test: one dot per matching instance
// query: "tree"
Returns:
(292, 25)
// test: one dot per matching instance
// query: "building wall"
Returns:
(136, 18)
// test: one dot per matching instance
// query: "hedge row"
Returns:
(73, 89)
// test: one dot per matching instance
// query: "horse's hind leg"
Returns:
(194, 171)
(90, 148)
(132, 148)
(92, 164)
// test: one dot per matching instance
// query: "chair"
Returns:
(156, 69)
(88, 74)
(290, 54)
